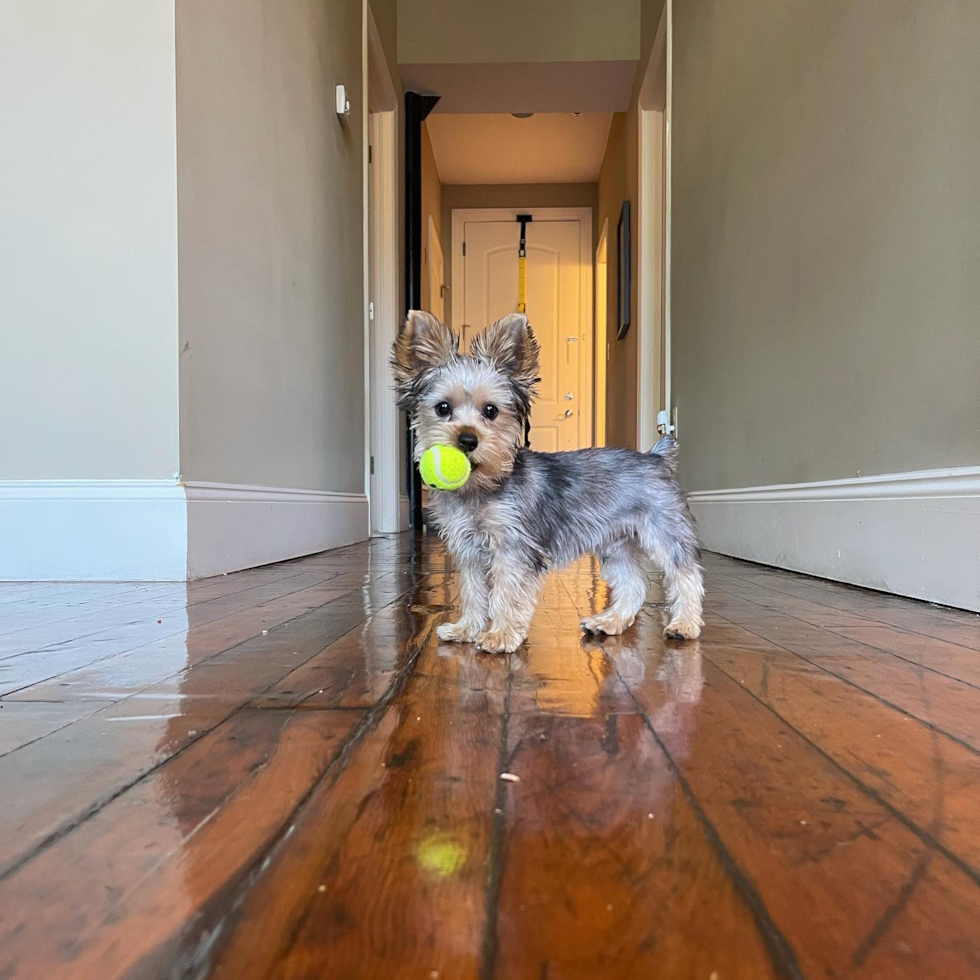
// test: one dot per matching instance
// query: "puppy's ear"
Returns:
(422, 343)
(510, 346)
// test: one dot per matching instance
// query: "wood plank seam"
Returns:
(97, 805)
(498, 843)
(53, 647)
(370, 720)
(913, 826)
(782, 955)
(223, 650)
(929, 608)
(847, 680)
(872, 623)
(815, 581)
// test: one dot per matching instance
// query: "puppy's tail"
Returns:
(666, 449)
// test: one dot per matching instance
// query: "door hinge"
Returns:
(371, 311)
(370, 153)
(464, 248)
(664, 425)
(372, 466)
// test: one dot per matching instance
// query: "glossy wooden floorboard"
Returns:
(71, 772)
(288, 776)
(604, 868)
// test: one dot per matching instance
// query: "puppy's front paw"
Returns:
(500, 641)
(607, 623)
(679, 629)
(461, 632)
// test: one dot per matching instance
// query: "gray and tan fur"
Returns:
(522, 512)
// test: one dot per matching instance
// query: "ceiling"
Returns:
(496, 148)
(561, 86)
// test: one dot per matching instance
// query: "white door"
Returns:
(558, 296)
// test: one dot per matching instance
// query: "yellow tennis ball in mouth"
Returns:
(444, 467)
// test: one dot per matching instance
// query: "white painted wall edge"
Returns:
(231, 526)
(92, 530)
(915, 534)
(161, 530)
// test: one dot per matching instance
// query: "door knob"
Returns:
(568, 413)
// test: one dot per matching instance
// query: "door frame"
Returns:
(432, 242)
(601, 319)
(653, 257)
(387, 506)
(584, 217)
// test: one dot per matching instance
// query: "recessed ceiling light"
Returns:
(522, 115)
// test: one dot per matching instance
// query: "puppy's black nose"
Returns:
(467, 441)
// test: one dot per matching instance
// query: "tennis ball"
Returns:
(444, 467)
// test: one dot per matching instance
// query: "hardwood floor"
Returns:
(282, 774)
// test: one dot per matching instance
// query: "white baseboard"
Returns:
(161, 530)
(92, 530)
(915, 534)
(230, 526)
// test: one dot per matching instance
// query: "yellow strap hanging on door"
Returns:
(522, 264)
(522, 295)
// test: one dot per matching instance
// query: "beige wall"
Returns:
(508, 196)
(650, 13)
(386, 17)
(826, 207)
(618, 182)
(488, 31)
(88, 238)
(271, 275)
(431, 208)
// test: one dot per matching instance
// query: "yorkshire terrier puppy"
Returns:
(522, 512)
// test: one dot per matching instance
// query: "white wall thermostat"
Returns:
(343, 103)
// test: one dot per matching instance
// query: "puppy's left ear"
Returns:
(510, 346)
(423, 343)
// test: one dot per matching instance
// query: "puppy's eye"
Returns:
(490, 411)
(444, 410)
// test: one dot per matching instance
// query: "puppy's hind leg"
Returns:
(684, 585)
(475, 599)
(677, 556)
(622, 569)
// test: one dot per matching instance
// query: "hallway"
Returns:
(280, 773)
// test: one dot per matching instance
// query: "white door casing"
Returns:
(602, 342)
(653, 347)
(559, 305)
(384, 426)
(437, 271)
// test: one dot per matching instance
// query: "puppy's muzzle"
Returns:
(467, 441)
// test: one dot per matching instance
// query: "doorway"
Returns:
(559, 305)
